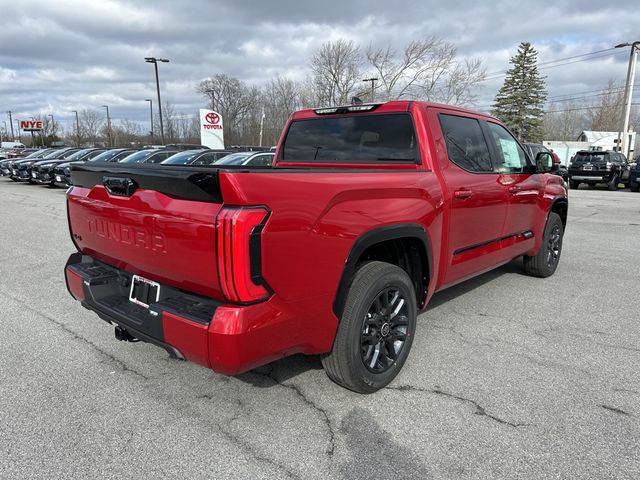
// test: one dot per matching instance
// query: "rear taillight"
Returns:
(239, 252)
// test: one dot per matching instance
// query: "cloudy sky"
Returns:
(62, 55)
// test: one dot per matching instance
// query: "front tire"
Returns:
(613, 183)
(376, 329)
(544, 264)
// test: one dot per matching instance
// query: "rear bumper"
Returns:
(229, 339)
(595, 176)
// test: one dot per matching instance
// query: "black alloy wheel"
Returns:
(545, 262)
(554, 242)
(376, 328)
(384, 330)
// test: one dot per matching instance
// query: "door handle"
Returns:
(515, 189)
(462, 194)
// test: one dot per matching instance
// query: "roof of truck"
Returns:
(381, 107)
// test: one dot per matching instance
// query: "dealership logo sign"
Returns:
(212, 121)
(211, 129)
(31, 125)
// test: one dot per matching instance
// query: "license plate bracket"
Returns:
(143, 291)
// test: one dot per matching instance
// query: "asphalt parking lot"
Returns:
(509, 376)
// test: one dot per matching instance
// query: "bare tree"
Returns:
(564, 121)
(459, 86)
(426, 69)
(606, 112)
(233, 99)
(336, 69)
(91, 124)
(280, 97)
(126, 133)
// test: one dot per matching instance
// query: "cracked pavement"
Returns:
(509, 376)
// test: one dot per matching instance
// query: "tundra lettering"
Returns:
(129, 236)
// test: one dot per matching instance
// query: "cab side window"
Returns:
(511, 157)
(466, 145)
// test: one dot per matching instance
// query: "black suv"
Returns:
(593, 167)
(634, 175)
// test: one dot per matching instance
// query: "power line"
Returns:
(581, 108)
(548, 64)
(588, 91)
(601, 94)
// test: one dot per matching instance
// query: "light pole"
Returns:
(108, 126)
(261, 126)
(77, 127)
(623, 136)
(150, 115)
(213, 98)
(11, 123)
(53, 126)
(373, 82)
(155, 61)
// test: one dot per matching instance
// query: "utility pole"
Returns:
(108, 126)
(11, 123)
(623, 136)
(77, 128)
(155, 64)
(373, 88)
(150, 115)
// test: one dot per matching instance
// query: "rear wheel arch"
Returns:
(404, 245)
(560, 206)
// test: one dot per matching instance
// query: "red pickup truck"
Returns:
(367, 211)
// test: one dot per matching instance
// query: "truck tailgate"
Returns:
(154, 221)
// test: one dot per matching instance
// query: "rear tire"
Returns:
(544, 264)
(376, 329)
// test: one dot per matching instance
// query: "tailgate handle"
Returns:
(120, 186)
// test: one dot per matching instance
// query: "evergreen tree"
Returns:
(519, 103)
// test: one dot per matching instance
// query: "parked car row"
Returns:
(52, 166)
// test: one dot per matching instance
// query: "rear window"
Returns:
(386, 138)
(591, 157)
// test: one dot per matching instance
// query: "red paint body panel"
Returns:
(149, 234)
(316, 216)
(74, 283)
(190, 338)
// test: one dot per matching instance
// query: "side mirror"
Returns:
(545, 162)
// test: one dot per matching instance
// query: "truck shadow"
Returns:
(513, 267)
(279, 371)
